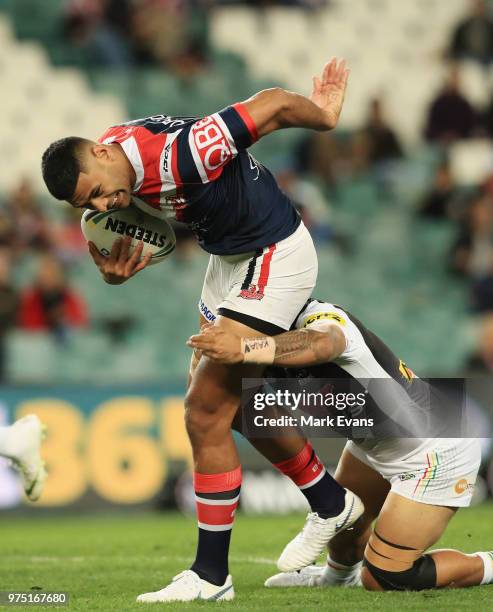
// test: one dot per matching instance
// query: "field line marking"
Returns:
(83, 559)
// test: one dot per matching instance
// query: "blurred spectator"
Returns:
(171, 34)
(378, 142)
(481, 361)
(487, 119)
(50, 303)
(439, 201)
(450, 116)
(473, 37)
(68, 241)
(482, 292)
(7, 231)
(309, 201)
(322, 155)
(472, 253)
(31, 227)
(98, 28)
(8, 306)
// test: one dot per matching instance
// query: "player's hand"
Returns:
(217, 344)
(120, 266)
(329, 89)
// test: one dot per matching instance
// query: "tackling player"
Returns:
(20, 442)
(262, 269)
(403, 482)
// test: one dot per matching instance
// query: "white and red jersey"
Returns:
(199, 171)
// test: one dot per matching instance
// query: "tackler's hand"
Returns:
(217, 344)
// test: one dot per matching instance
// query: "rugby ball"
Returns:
(103, 228)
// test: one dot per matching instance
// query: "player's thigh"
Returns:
(216, 387)
(414, 525)
(363, 480)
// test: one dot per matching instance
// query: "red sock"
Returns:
(324, 494)
(216, 497)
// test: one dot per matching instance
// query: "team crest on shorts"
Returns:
(252, 293)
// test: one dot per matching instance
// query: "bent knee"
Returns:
(420, 576)
(203, 416)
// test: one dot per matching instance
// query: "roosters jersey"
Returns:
(199, 172)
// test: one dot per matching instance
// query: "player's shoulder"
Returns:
(317, 310)
(146, 127)
(159, 124)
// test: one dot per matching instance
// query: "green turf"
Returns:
(105, 561)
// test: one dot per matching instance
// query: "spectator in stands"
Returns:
(439, 202)
(8, 306)
(67, 240)
(472, 253)
(50, 304)
(482, 292)
(7, 231)
(30, 226)
(450, 116)
(473, 36)
(310, 202)
(379, 143)
(97, 28)
(321, 155)
(481, 360)
(171, 34)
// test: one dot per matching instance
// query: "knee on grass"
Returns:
(420, 576)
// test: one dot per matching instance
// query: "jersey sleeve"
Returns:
(213, 141)
(328, 314)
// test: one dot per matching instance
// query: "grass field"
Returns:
(103, 562)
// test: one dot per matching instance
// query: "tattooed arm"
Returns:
(297, 348)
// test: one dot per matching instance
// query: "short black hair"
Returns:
(61, 165)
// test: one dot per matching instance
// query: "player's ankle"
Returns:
(327, 511)
(215, 576)
(347, 566)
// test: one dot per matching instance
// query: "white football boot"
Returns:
(188, 586)
(23, 450)
(315, 576)
(306, 547)
(309, 576)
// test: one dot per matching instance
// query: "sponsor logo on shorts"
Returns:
(461, 486)
(206, 313)
(408, 476)
(252, 293)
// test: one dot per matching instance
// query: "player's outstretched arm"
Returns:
(274, 109)
(297, 348)
(120, 266)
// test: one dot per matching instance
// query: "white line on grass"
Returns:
(84, 559)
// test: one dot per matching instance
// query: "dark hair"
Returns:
(61, 165)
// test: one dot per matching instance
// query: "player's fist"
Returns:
(217, 344)
(119, 266)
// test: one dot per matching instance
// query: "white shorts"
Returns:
(441, 472)
(264, 290)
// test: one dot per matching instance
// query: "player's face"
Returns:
(106, 182)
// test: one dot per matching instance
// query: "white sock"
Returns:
(4, 439)
(339, 574)
(487, 558)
